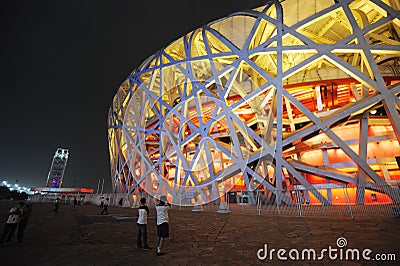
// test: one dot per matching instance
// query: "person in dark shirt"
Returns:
(57, 205)
(23, 221)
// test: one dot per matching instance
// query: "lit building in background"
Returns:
(57, 168)
(55, 179)
(290, 100)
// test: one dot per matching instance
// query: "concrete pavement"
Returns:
(80, 236)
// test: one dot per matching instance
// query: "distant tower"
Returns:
(56, 173)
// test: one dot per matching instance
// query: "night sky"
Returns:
(61, 65)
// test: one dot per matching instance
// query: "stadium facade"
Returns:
(293, 96)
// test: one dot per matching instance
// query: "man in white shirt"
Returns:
(162, 223)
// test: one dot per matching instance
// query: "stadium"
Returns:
(293, 102)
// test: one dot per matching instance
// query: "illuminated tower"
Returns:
(57, 169)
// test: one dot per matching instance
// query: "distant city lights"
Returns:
(17, 188)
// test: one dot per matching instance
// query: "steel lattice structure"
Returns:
(57, 168)
(295, 94)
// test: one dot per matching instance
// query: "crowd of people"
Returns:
(18, 217)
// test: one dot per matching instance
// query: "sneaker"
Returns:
(160, 253)
(147, 248)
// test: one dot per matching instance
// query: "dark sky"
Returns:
(61, 64)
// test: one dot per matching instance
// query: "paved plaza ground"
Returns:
(80, 236)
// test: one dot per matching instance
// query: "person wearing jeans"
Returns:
(142, 225)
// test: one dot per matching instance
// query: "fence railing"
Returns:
(339, 201)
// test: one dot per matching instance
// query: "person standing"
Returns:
(75, 202)
(162, 223)
(142, 225)
(101, 202)
(23, 221)
(57, 204)
(105, 206)
(12, 223)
